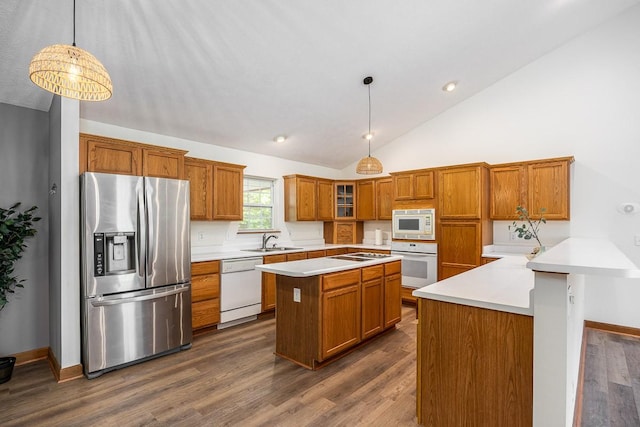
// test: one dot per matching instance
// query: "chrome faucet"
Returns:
(265, 239)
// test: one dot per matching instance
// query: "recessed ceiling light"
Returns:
(450, 87)
(280, 138)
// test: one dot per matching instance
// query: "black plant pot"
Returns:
(6, 368)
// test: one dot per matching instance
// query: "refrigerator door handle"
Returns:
(115, 301)
(142, 235)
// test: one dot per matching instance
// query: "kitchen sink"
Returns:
(276, 249)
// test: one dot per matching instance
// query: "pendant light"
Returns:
(70, 71)
(369, 165)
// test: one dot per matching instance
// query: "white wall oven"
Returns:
(414, 224)
(419, 263)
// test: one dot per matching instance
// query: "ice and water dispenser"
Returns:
(114, 253)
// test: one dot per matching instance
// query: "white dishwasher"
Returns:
(240, 291)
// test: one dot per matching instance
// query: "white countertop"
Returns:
(503, 285)
(585, 256)
(238, 253)
(317, 266)
(501, 251)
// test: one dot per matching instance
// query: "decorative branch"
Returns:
(534, 226)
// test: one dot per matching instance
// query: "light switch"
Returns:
(296, 294)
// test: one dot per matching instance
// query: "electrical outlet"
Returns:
(200, 236)
(296, 294)
(637, 239)
(513, 235)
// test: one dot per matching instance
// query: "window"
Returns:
(257, 204)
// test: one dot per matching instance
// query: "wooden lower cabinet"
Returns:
(205, 294)
(336, 251)
(269, 282)
(334, 312)
(475, 366)
(407, 297)
(372, 300)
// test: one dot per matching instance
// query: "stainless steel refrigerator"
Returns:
(136, 269)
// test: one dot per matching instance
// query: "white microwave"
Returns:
(414, 224)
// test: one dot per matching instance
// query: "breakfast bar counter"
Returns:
(326, 307)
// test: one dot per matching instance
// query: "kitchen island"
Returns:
(326, 307)
(500, 344)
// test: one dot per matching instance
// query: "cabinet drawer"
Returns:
(206, 267)
(338, 280)
(205, 313)
(316, 254)
(336, 251)
(272, 259)
(373, 272)
(392, 268)
(296, 256)
(205, 287)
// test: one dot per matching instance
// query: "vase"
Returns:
(6, 368)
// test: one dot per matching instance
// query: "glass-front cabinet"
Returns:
(345, 200)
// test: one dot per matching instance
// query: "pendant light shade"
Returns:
(369, 165)
(69, 71)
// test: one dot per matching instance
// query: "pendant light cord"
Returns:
(369, 139)
(74, 24)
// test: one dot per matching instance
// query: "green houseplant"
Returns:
(528, 229)
(15, 227)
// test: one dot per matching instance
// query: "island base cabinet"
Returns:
(340, 320)
(475, 366)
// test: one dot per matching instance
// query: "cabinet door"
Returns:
(423, 186)
(200, 176)
(112, 157)
(269, 283)
(345, 232)
(548, 187)
(325, 200)
(460, 193)
(372, 307)
(392, 300)
(345, 201)
(403, 187)
(162, 164)
(507, 190)
(459, 247)
(205, 313)
(227, 191)
(384, 198)
(206, 286)
(340, 320)
(306, 199)
(366, 200)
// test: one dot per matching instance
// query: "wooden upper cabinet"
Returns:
(325, 200)
(163, 163)
(413, 185)
(200, 175)
(384, 198)
(366, 200)
(548, 187)
(228, 181)
(533, 184)
(109, 155)
(300, 198)
(345, 200)
(462, 192)
(508, 191)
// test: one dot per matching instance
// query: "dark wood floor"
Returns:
(229, 377)
(611, 390)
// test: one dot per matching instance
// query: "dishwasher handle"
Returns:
(239, 264)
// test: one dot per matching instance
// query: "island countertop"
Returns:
(503, 285)
(318, 266)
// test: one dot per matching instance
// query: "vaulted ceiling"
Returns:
(238, 73)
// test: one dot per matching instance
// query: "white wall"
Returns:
(583, 99)
(24, 150)
(64, 238)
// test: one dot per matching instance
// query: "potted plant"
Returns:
(15, 227)
(528, 229)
